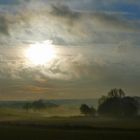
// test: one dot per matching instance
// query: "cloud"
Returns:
(114, 22)
(101, 19)
(76, 71)
(8, 2)
(98, 49)
(65, 26)
(64, 11)
(4, 26)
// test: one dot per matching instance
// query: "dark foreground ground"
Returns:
(76, 128)
(17, 124)
(24, 133)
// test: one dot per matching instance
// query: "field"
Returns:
(23, 125)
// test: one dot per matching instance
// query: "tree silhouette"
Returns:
(102, 99)
(39, 104)
(121, 93)
(116, 93)
(116, 104)
(27, 106)
(86, 110)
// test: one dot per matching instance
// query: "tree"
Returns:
(111, 107)
(92, 111)
(39, 104)
(121, 93)
(27, 106)
(102, 100)
(86, 110)
(130, 106)
(116, 104)
(118, 93)
(112, 93)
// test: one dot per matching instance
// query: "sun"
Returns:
(40, 53)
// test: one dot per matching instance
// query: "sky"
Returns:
(97, 44)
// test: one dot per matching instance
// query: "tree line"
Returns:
(38, 105)
(115, 104)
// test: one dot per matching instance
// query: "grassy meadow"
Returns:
(65, 123)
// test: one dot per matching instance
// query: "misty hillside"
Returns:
(20, 104)
(76, 102)
(49, 103)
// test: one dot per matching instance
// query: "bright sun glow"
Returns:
(40, 53)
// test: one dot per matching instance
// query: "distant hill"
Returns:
(76, 102)
(12, 104)
(49, 103)
(20, 104)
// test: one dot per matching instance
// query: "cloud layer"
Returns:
(97, 47)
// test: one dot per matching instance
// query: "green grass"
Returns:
(34, 125)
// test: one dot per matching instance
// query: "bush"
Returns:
(86, 110)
